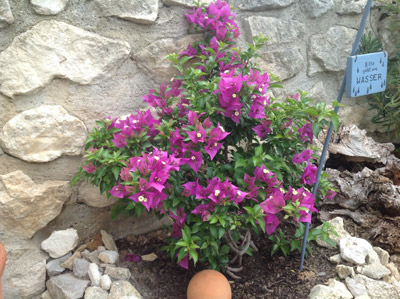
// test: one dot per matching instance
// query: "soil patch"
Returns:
(263, 276)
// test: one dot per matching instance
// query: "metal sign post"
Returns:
(329, 134)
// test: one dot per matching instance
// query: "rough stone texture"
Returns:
(321, 291)
(122, 288)
(259, 5)
(340, 288)
(356, 287)
(336, 259)
(330, 50)
(118, 273)
(338, 225)
(389, 39)
(373, 258)
(48, 7)
(354, 250)
(316, 8)
(81, 268)
(151, 257)
(344, 271)
(109, 256)
(394, 271)
(69, 263)
(138, 11)
(352, 7)
(105, 282)
(60, 242)
(43, 134)
(378, 289)
(66, 286)
(90, 195)
(45, 295)
(6, 16)
(89, 59)
(95, 293)
(94, 274)
(152, 58)
(108, 241)
(284, 63)
(92, 256)
(26, 207)
(382, 254)
(277, 30)
(374, 271)
(185, 3)
(53, 267)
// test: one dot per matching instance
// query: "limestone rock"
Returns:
(151, 257)
(138, 11)
(338, 225)
(336, 259)
(340, 288)
(69, 263)
(152, 59)
(351, 7)
(6, 16)
(108, 241)
(345, 271)
(118, 273)
(105, 282)
(109, 256)
(382, 254)
(316, 8)
(259, 5)
(26, 207)
(94, 274)
(95, 293)
(45, 295)
(374, 271)
(60, 242)
(394, 271)
(90, 195)
(185, 3)
(122, 288)
(93, 256)
(284, 63)
(66, 286)
(43, 134)
(378, 289)
(373, 258)
(356, 287)
(53, 267)
(331, 58)
(278, 30)
(322, 291)
(89, 59)
(48, 7)
(354, 250)
(81, 268)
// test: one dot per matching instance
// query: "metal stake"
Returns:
(328, 136)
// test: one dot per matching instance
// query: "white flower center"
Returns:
(236, 113)
(260, 89)
(265, 171)
(295, 192)
(141, 198)
(217, 192)
(198, 135)
(193, 158)
(239, 193)
(157, 158)
(234, 95)
(215, 144)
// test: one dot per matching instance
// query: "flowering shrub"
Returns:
(218, 154)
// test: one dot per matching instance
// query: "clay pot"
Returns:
(3, 259)
(209, 284)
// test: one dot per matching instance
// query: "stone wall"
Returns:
(66, 63)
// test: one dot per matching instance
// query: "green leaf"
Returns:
(213, 231)
(182, 253)
(240, 163)
(116, 170)
(194, 255)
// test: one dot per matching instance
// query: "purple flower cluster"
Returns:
(154, 170)
(133, 126)
(217, 17)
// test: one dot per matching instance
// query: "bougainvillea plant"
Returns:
(217, 154)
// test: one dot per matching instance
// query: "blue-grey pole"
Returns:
(329, 134)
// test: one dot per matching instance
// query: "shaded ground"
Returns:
(263, 277)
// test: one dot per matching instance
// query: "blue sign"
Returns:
(366, 74)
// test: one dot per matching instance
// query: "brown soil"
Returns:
(263, 276)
